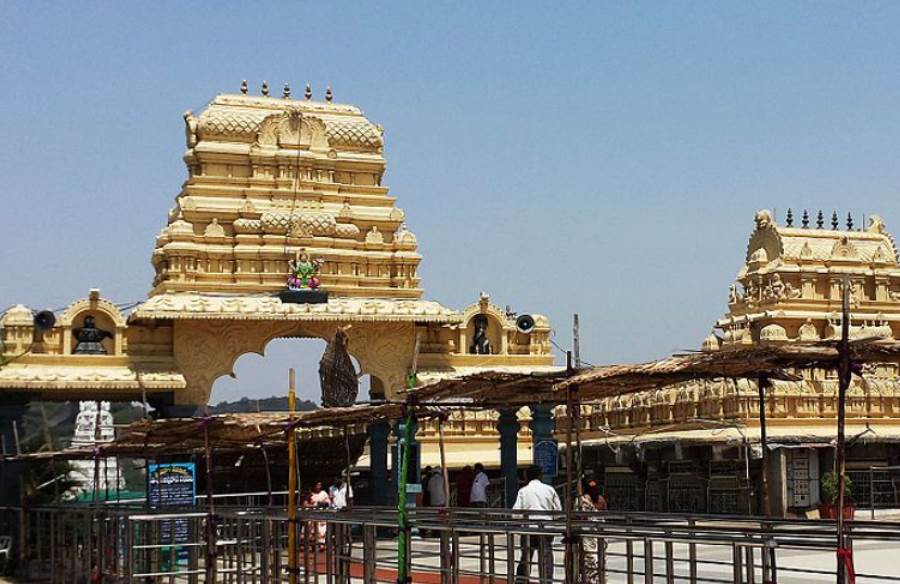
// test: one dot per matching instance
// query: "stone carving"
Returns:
(806, 251)
(404, 236)
(190, 129)
(374, 236)
(776, 289)
(214, 229)
(734, 295)
(808, 331)
(760, 256)
(876, 225)
(763, 219)
(179, 306)
(844, 248)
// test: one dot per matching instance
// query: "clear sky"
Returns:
(600, 158)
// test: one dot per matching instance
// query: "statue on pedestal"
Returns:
(304, 272)
(480, 343)
(90, 338)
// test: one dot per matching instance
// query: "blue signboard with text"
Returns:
(546, 456)
(172, 485)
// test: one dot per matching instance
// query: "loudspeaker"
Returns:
(44, 320)
(525, 324)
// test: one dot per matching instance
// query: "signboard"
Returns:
(172, 485)
(546, 456)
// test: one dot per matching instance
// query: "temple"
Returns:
(696, 446)
(271, 181)
(289, 194)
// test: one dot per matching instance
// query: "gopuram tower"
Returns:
(280, 192)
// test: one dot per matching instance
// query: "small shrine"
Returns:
(93, 428)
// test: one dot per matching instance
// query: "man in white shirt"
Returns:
(536, 496)
(341, 494)
(478, 497)
(436, 489)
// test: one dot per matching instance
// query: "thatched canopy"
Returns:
(505, 389)
(233, 432)
(774, 362)
(492, 389)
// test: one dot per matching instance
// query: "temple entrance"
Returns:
(262, 380)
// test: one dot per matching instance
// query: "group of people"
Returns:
(471, 487)
(338, 496)
(539, 496)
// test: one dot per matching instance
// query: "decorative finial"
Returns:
(286, 92)
(265, 88)
(820, 220)
(244, 87)
(308, 93)
(849, 221)
(789, 219)
(328, 94)
(805, 220)
(834, 220)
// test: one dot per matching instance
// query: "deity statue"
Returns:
(777, 289)
(480, 343)
(303, 272)
(90, 338)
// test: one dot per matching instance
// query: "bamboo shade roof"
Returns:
(774, 362)
(505, 389)
(235, 431)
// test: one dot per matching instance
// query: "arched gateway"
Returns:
(269, 179)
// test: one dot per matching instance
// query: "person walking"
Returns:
(478, 496)
(536, 496)
(341, 494)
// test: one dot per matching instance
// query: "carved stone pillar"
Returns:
(508, 427)
(378, 462)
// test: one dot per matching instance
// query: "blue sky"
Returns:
(600, 158)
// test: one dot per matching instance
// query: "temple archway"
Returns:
(258, 377)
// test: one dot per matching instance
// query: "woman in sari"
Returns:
(590, 501)
(318, 499)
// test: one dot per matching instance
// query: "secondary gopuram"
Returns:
(695, 446)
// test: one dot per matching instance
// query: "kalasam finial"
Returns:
(805, 220)
(849, 221)
(789, 219)
(286, 92)
(265, 88)
(820, 220)
(308, 93)
(834, 220)
(244, 87)
(329, 95)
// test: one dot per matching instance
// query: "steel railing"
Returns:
(456, 546)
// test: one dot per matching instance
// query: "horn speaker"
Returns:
(525, 324)
(44, 320)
